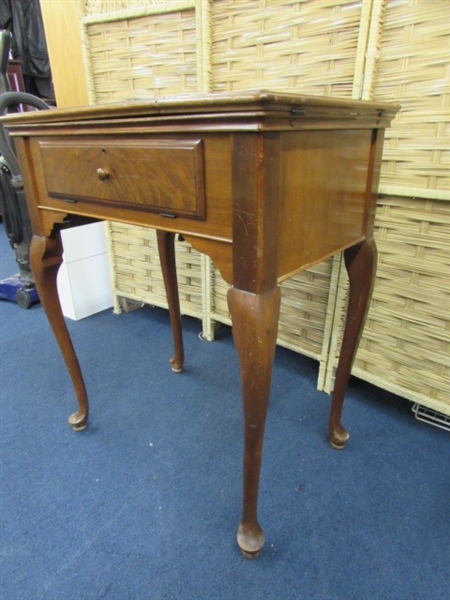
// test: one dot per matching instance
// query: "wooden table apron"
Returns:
(265, 184)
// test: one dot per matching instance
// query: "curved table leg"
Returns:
(255, 326)
(46, 258)
(360, 262)
(166, 248)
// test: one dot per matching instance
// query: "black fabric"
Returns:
(5, 14)
(24, 19)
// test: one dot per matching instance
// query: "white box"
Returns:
(84, 280)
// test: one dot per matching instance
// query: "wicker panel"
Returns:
(414, 70)
(99, 7)
(321, 48)
(303, 310)
(137, 270)
(310, 46)
(405, 347)
(143, 57)
(302, 313)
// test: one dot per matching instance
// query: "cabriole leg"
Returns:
(46, 258)
(255, 325)
(360, 262)
(166, 248)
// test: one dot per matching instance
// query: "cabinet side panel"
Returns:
(323, 194)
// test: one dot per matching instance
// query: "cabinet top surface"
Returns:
(257, 105)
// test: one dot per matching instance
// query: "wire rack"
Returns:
(422, 413)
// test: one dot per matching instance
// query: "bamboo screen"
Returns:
(392, 50)
(284, 45)
(143, 57)
(302, 312)
(405, 346)
(98, 7)
(137, 271)
(414, 70)
(144, 54)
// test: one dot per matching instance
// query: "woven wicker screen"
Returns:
(387, 49)
(312, 47)
(144, 54)
(142, 57)
(284, 45)
(405, 346)
(99, 7)
(155, 54)
(137, 270)
(302, 312)
(414, 69)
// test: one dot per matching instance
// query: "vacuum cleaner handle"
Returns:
(5, 45)
(5, 146)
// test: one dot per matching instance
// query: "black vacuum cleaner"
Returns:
(20, 287)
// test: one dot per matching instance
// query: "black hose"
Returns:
(10, 210)
(10, 177)
(5, 146)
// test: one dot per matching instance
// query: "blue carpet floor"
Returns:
(145, 503)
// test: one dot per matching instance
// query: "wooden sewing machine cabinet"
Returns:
(266, 184)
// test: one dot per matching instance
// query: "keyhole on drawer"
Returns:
(103, 151)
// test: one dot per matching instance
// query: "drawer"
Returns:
(162, 176)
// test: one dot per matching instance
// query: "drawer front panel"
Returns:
(162, 176)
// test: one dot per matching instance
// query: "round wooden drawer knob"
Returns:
(102, 174)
